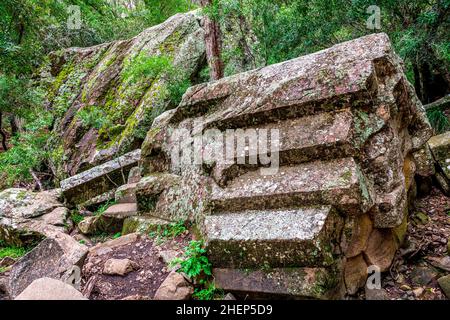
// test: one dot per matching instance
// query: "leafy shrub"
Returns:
(27, 152)
(145, 68)
(170, 231)
(194, 262)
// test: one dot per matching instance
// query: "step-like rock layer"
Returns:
(338, 182)
(282, 238)
(317, 283)
(323, 136)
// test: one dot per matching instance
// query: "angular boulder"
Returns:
(119, 267)
(174, 287)
(27, 216)
(53, 258)
(50, 289)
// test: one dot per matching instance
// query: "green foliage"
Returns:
(76, 217)
(194, 262)
(438, 120)
(117, 235)
(144, 67)
(288, 29)
(207, 293)
(147, 69)
(93, 117)
(18, 92)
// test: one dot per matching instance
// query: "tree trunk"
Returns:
(213, 43)
(16, 124)
(3, 134)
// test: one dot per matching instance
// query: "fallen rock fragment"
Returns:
(444, 283)
(381, 248)
(175, 287)
(119, 267)
(52, 258)
(376, 294)
(108, 246)
(50, 289)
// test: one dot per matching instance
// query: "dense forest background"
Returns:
(254, 33)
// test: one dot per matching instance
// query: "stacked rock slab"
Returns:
(100, 179)
(347, 122)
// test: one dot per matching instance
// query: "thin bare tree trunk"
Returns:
(213, 43)
(3, 134)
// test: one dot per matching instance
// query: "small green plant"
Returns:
(170, 231)
(12, 252)
(100, 210)
(93, 117)
(3, 269)
(82, 241)
(438, 120)
(117, 235)
(144, 66)
(76, 217)
(207, 293)
(194, 262)
(174, 229)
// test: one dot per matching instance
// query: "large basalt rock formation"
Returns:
(308, 222)
(77, 79)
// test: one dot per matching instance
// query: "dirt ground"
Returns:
(424, 256)
(138, 285)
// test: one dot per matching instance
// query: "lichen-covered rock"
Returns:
(100, 179)
(77, 79)
(142, 224)
(26, 216)
(342, 125)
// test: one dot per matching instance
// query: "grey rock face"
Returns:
(27, 216)
(95, 76)
(98, 180)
